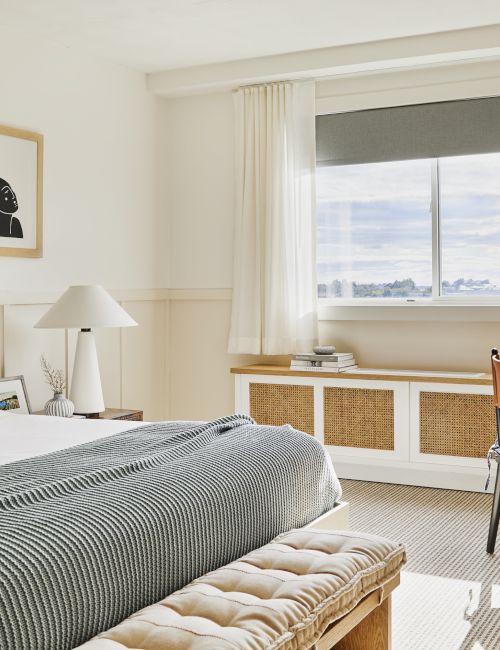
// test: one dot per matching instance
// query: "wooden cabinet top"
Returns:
(450, 377)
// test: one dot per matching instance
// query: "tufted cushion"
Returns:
(281, 596)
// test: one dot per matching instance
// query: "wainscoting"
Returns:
(133, 361)
(174, 365)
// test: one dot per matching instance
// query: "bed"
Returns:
(26, 436)
(98, 519)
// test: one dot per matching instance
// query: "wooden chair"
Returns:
(494, 452)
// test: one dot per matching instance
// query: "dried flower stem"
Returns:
(54, 378)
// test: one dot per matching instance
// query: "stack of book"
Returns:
(337, 362)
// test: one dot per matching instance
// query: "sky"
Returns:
(374, 221)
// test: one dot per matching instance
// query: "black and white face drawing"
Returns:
(10, 226)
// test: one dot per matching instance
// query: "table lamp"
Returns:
(86, 307)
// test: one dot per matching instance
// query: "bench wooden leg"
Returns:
(366, 627)
(372, 633)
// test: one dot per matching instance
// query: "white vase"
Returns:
(59, 406)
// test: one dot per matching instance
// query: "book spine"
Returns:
(323, 358)
(322, 369)
(314, 369)
(321, 364)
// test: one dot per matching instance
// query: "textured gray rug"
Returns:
(449, 598)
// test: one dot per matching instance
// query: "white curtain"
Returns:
(274, 289)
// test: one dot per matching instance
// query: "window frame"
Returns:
(437, 299)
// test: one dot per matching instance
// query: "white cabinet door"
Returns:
(356, 418)
(365, 418)
(278, 400)
(451, 424)
(416, 433)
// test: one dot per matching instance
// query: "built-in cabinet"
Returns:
(416, 430)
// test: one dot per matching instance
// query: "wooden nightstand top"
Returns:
(112, 414)
(118, 414)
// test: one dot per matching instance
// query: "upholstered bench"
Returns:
(306, 589)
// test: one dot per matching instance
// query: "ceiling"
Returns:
(153, 35)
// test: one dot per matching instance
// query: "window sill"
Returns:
(409, 311)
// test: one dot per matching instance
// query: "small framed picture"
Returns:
(13, 395)
(21, 189)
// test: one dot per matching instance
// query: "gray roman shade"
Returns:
(405, 132)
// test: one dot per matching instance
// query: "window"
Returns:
(408, 203)
(469, 225)
(375, 225)
(374, 230)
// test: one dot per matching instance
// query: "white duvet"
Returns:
(25, 436)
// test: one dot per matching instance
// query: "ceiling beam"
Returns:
(412, 51)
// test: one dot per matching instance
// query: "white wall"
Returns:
(99, 123)
(200, 181)
(132, 360)
(139, 195)
(101, 218)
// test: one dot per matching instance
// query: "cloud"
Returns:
(374, 222)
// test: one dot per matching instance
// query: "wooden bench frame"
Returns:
(366, 627)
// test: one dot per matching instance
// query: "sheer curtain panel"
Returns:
(274, 287)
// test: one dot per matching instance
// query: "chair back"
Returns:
(495, 371)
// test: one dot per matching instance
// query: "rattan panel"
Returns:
(279, 404)
(359, 417)
(456, 424)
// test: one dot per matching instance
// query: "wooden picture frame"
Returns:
(14, 396)
(21, 166)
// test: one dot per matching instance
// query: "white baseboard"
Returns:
(425, 475)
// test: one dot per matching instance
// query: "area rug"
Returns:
(449, 597)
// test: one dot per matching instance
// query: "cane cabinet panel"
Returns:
(359, 417)
(279, 404)
(455, 424)
(451, 424)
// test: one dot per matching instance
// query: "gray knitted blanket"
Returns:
(90, 534)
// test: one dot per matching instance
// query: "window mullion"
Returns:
(436, 248)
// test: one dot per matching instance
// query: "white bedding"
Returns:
(25, 436)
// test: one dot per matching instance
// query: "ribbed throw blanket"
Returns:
(90, 534)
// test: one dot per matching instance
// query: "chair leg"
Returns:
(495, 515)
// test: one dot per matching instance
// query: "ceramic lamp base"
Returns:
(86, 389)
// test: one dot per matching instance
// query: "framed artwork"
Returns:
(13, 395)
(21, 192)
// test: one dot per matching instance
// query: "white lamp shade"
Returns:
(85, 307)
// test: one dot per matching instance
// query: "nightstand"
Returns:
(112, 414)
(117, 414)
